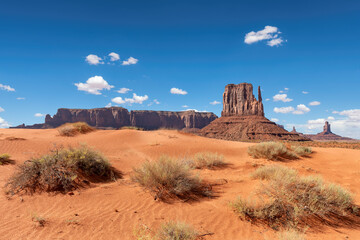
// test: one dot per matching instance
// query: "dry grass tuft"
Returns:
(271, 150)
(5, 159)
(207, 160)
(73, 129)
(168, 178)
(291, 234)
(301, 150)
(62, 170)
(168, 231)
(41, 221)
(291, 199)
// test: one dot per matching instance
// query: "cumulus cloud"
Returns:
(214, 102)
(314, 103)
(93, 59)
(283, 109)
(20, 98)
(185, 106)
(130, 61)
(156, 101)
(114, 56)
(301, 109)
(6, 88)
(269, 33)
(281, 97)
(124, 90)
(178, 91)
(268, 99)
(134, 99)
(3, 123)
(94, 85)
(274, 119)
(39, 115)
(108, 105)
(195, 110)
(304, 92)
(286, 89)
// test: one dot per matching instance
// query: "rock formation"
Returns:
(243, 118)
(117, 117)
(327, 135)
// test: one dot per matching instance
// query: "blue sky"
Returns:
(194, 46)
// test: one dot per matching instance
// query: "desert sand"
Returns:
(114, 210)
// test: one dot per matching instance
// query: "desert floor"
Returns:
(114, 210)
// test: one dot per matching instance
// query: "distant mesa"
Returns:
(327, 135)
(242, 118)
(117, 117)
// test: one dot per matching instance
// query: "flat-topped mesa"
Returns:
(327, 129)
(239, 100)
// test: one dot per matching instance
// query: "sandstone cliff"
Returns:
(117, 117)
(327, 135)
(243, 118)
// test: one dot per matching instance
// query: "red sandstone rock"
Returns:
(327, 135)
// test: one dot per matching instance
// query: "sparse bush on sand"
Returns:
(168, 231)
(132, 128)
(73, 129)
(271, 150)
(291, 234)
(5, 158)
(168, 178)
(207, 160)
(289, 199)
(38, 219)
(62, 170)
(301, 150)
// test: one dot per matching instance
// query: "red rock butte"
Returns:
(242, 118)
(327, 135)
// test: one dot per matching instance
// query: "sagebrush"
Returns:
(272, 151)
(5, 159)
(61, 170)
(207, 160)
(73, 129)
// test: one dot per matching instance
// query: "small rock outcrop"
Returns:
(117, 117)
(243, 118)
(327, 135)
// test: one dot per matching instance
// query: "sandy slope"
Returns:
(112, 211)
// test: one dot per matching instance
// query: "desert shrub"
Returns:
(207, 160)
(61, 170)
(168, 177)
(271, 151)
(291, 199)
(291, 234)
(133, 128)
(4, 158)
(301, 150)
(72, 129)
(38, 219)
(273, 172)
(168, 231)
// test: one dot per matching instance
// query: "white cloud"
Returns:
(108, 105)
(281, 97)
(1, 109)
(195, 110)
(274, 119)
(3, 123)
(314, 103)
(281, 91)
(283, 109)
(331, 118)
(268, 99)
(114, 57)
(178, 91)
(301, 109)
(214, 102)
(268, 33)
(124, 90)
(286, 89)
(93, 59)
(304, 92)
(156, 101)
(20, 98)
(275, 42)
(39, 115)
(353, 114)
(130, 61)
(94, 85)
(185, 106)
(134, 99)
(7, 88)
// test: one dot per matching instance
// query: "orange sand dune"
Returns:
(113, 210)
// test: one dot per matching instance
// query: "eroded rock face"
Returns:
(327, 128)
(117, 117)
(327, 135)
(239, 100)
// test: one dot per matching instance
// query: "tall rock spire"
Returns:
(259, 94)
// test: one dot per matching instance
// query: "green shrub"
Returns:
(168, 177)
(207, 160)
(168, 231)
(301, 150)
(62, 170)
(73, 129)
(291, 199)
(5, 158)
(271, 151)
